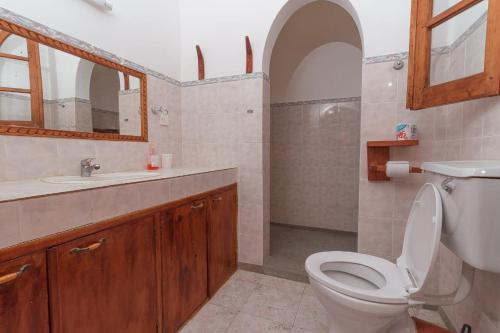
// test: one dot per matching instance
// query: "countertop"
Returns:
(25, 189)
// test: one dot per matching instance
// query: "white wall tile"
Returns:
(52, 214)
(3, 164)
(30, 158)
(10, 224)
(380, 83)
(114, 201)
(309, 144)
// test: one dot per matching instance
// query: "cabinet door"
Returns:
(105, 282)
(184, 256)
(24, 306)
(222, 246)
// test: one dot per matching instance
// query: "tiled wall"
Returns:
(130, 119)
(69, 114)
(29, 157)
(315, 164)
(14, 106)
(469, 131)
(223, 123)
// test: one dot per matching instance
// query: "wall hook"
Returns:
(249, 55)
(201, 63)
(159, 110)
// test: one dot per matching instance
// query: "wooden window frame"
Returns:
(420, 93)
(35, 128)
(35, 80)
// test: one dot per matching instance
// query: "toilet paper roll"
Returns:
(395, 169)
(166, 161)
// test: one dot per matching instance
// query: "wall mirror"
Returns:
(48, 88)
(454, 49)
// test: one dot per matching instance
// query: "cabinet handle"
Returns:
(217, 199)
(91, 247)
(198, 206)
(11, 277)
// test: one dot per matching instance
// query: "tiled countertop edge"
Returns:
(29, 189)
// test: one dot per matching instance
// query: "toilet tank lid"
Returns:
(464, 169)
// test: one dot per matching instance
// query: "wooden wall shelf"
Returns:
(378, 154)
(394, 143)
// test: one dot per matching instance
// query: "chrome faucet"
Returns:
(86, 167)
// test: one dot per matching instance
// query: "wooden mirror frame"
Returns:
(34, 128)
(420, 94)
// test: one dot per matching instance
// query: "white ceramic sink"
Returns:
(104, 177)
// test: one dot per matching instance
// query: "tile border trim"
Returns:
(231, 78)
(386, 58)
(436, 51)
(45, 101)
(318, 101)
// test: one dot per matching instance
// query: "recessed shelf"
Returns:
(378, 154)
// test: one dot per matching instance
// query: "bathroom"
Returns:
(197, 90)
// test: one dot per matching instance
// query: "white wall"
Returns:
(13, 73)
(59, 73)
(302, 69)
(332, 70)
(162, 35)
(219, 27)
(150, 28)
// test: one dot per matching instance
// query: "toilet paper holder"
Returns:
(378, 154)
(383, 168)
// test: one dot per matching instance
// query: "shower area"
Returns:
(315, 76)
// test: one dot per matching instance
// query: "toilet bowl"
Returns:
(364, 293)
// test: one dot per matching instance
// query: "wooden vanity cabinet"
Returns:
(23, 295)
(105, 282)
(184, 262)
(145, 272)
(222, 238)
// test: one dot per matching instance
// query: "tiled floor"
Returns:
(251, 302)
(290, 246)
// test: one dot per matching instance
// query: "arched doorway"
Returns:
(315, 87)
(104, 99)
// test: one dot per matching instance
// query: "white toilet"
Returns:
(363, 293)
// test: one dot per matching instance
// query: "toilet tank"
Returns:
(470, 192)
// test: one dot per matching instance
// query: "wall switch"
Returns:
(164, 120)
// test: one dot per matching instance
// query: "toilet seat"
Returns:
(378, 280)
(389, 281)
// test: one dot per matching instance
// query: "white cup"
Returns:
(166, 161)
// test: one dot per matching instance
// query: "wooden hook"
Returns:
(249, 55)
(201, 63)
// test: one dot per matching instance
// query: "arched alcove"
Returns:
(82, 81)
(104, 99)
(315, 65)
(319, 30)
(289, 9)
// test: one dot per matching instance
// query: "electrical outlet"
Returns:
(164, 120)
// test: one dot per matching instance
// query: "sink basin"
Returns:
(104, 177)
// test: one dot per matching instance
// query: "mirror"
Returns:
(458, 45)
(64, 91)
(15, 105)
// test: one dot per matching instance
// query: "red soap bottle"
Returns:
(153, 158)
